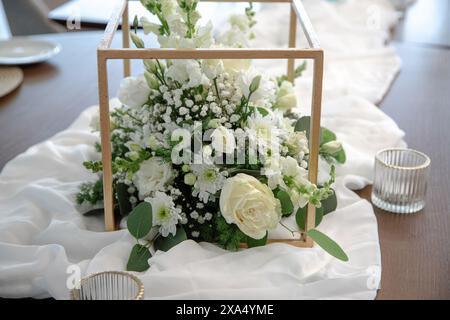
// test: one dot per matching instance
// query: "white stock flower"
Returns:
(236, 65)
(286, 98)
(223, 140)
(249, 204)
(153, 175)
(240, 21)
(265, 90)
(150, 27)
(187, 71)
(212, 68)
(297, 144)
(164, 213)
(293, 173)
(134, 91)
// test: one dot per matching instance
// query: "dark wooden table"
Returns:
(415, 249)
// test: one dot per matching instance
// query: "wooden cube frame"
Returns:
(313, 52)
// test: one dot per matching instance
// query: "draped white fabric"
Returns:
(42, 234)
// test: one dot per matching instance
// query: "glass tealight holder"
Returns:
(109, 285)
(400, 180)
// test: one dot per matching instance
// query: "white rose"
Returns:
(153, 175)
(223, 140)
(286, 98)
(332, 147)
(134, 91)
(249, 204)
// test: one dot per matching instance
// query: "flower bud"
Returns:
(190, 179)
(332, 147)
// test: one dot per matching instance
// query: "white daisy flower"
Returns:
(164, 213)
(209, 181)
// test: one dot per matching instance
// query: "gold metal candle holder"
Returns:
(313, 52)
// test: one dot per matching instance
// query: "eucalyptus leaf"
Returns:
(340, 156)
(329, 204)
(138, 260)
(300, 217)
(326, 136)
(286, 204)
(327, 244)
(122, 199)
(252, 243)
(139, 221)
(165, 243)
(303, 124)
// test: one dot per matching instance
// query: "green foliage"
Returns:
(229, 235)
(138, 260)
(327, 244)
(252, 243)
(287, 207)
(123, 199)
(139, 221)
(297, 73)
(300, 217)
(94, 166)
(165, 243)
(329, 204)
(90, 192)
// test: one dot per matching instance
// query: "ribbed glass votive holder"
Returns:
(400, 180)
(109, 285)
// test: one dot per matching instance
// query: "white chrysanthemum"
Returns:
(263, 133)
(209, 181)
(164, 213)
(223, 140)
(134, 91)
(153, 175)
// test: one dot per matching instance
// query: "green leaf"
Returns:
(303, 124)
(122, 199)
(94, 212)
(251, 243)
(326, 136)
(262, 111)
(255, 84)
(329, 204)
(327, 244)
(340, 156)
(165, 243)
(286, 204)
(140, 220)
(138, 260)
(300, 217)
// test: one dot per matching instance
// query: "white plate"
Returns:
(10, 78)
(26, 50)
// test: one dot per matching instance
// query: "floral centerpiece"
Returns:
(209, 150)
